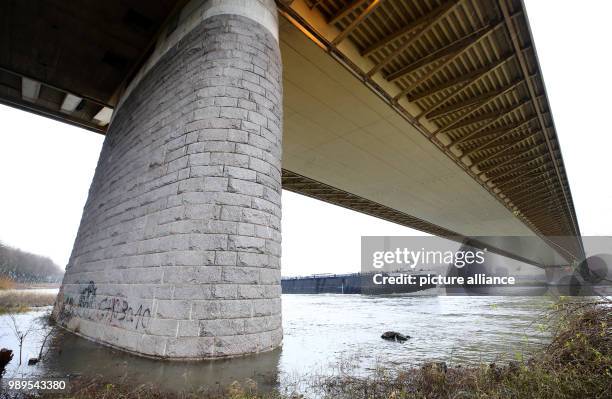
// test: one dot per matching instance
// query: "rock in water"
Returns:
(394, 336)
(32, 361)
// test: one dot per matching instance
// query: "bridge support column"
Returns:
(178, 251)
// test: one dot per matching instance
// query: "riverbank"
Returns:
(577, 362)
(22, 300)
(16, 297)
(19, 302)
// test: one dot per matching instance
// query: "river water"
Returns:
(323, 334)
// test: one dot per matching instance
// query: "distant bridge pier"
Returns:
(555, 274)
(178, 250)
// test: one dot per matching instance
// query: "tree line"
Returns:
(26, 267)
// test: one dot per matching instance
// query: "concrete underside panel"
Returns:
(338, 132)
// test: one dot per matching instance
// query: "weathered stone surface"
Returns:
(178, 250)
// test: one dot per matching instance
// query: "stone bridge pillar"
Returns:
(178, 251)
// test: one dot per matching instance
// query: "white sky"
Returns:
(46, 166)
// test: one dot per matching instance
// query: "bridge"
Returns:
(432, 114)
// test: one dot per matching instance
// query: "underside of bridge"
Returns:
(428, 113)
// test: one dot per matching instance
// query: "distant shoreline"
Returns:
(33, 286)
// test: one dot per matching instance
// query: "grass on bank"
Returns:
(22, 301)
(576, 364)
(13, 300)
(6, 283)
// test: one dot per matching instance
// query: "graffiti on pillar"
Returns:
(87, 296)
(65, 309)
(111, 310)
(120, 309)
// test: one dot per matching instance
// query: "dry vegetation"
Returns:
(6, 283)
(576, 364)
(21, 301)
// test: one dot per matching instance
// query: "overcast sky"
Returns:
(46, 166)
